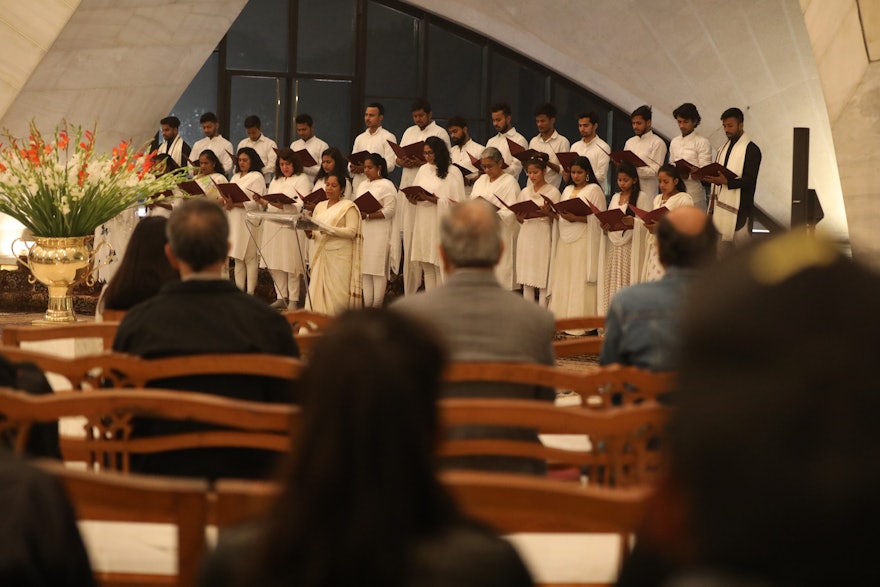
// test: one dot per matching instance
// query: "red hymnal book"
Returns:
(368, 203)
(305, 158)
(415, 193)
(648, 217)
(713, 169)
(192, 188)
(529, 208)
(315, 197)
(413, 151)
(628, 156)
(613, 218)
(279, 198)
(232, 192)
(685, 165)
(358, 158)
(574, 206)
(566, 159)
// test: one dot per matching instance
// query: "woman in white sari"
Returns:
(377, 228)
(335, 284)
(243, 233)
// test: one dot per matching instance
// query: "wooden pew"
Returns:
(107, 443)
(579, 345)
(14, 335)
(108, 496)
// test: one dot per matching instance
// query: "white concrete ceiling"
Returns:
(753, 54)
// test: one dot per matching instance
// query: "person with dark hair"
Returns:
(174, 146)
(443, 182)
(422, 128)
(790, 414)
(732, 201)
(574, 268)
(533, 245)
(335, 284)
(265, 147)
(621, 252)
(464, 150)
(308, 142)
(481, 321)
(643, 325)
(204, 313)
(361, 504)
(42, 545)
(592, 147)
(333, 163)
(693, 148)
(245, 234)
(144, 269)
(373, 140)
(214, 141)
(649, 147)
(282, 252)
(377, 229)
(494, 185)
(549, 141)
(671, 196)
(210, 174)
(501, 115)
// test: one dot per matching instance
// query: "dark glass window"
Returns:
(263, 96)
(199, 97)
(455, 68)
(258, 39)
(392, 53)
(326, 36)
(329, 104)
(522, 87)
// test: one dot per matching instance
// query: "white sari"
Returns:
(335, 284)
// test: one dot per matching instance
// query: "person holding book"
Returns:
(373, 140)
(691, 147)
(575, 263)
(308, 142)
(671, 196)
(335, 283)
(282, 252)
(620, 251)
(214, 141)
(465, 151)
(648, 147)
(533, 245)
(210, 173)
(263, 145)
(494, 185)
(243, 233)
(443, 185)
(332, 162)
(501, 114)
(376, 228)
(548, 140)
(173, 145)
(592, 147)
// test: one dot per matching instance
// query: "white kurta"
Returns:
(206, 182)
(555, 144)
(376, 142)
(615, 253)
(575, 268)
(653, 270)
(499, 141)
(533, 243)
(697, 150)
(265, 148)
(425, 238)
(315, 147)
(377, 231)
(221, 147)
(279, 246)
(599, 154)
(461, 155)
(507, 189)
(335, 284)
(240, 229)
(652, 150)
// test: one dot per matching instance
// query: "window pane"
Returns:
(451, 57)
(325, 39)
(622, 130)
(257, 40)
(521, 87)
(263, 96)
(199, 97)
(392, 52)
(329, 104)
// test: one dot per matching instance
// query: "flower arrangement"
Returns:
(60, 187)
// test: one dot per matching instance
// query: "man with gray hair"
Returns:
(480, 321)
(204, 313)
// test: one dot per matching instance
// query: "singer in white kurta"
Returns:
(616, 248)
(533, 245)
(670, 197)
(376, 229)
(243, 233)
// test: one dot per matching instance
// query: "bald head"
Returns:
(470, 235)
(686, 238)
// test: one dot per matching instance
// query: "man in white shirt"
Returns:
(307, 141)
(265, 147)
(373, 140)
(693, 148)
(549, 141)
(214, 141)
(592, 147)
(422, 128)
(463, 148)
(500, 112)
(174, 145)
(649, 147)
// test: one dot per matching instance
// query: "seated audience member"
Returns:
(43, 438)
(643, 320)
(204, 313)
(481, 321)
(143, 270)
(773, 476)
(361, 504)
(41, 542)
